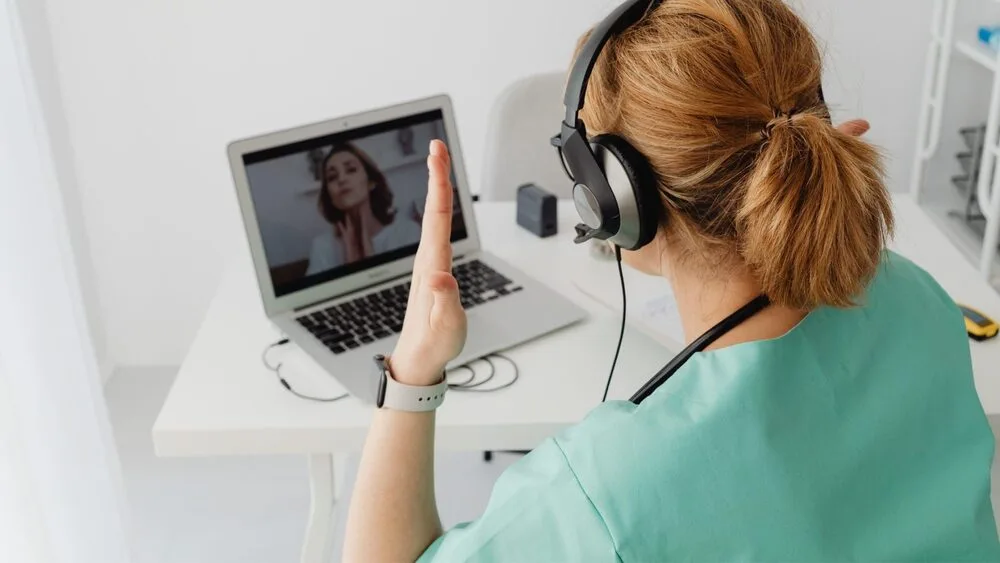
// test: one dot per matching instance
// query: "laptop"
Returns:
(332, 213)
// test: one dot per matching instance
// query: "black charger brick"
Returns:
(537, 210)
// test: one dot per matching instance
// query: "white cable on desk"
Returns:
(468, 386)
(284, 383)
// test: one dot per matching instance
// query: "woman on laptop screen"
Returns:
(355, 199)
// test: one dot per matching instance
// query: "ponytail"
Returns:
(815, 215)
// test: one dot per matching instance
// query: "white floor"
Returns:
(250, 510)
(245, 510)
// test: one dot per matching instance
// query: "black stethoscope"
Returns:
(699, 345)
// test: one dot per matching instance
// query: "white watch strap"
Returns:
(408, 398)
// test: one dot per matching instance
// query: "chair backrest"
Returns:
(524, 118)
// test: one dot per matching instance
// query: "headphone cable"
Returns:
(621, 334)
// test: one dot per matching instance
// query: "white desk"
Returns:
(224, 402)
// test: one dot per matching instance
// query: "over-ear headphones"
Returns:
(615, 187)
(614, 184)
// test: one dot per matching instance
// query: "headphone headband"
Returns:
(623, 17)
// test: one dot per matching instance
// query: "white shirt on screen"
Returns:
(327, 253)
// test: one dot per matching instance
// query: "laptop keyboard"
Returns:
(373, 317)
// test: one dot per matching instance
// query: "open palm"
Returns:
(434, 330)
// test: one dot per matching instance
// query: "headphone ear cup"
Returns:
(637, 192)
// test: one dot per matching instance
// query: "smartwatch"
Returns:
(397, 396)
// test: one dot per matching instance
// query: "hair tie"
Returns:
(778, 115)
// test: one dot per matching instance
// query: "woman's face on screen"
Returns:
(347, 181)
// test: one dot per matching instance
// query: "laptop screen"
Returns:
(336, 205)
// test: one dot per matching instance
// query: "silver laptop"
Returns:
(332, 213)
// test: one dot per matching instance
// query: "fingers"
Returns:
(344, 229)
(855, 127)
(435, 238)
(446, 311)
(443, 286)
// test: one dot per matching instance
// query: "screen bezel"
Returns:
(274, 304)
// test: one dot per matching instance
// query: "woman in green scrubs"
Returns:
(839, 424)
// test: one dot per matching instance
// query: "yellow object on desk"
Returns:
(979, 326)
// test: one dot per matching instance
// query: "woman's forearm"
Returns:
(393, 515)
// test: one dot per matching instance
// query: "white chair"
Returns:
(518, 149)
(525, 116)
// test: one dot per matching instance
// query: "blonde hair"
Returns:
(722, 97)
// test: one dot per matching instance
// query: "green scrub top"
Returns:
(858, 436)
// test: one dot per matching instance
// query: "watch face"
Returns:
(380, 396)
(379, 380)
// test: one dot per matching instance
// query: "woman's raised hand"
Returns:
(435, 326)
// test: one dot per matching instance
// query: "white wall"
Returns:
(60, 480)
(39, 42)
(875, 69)
(154, 90)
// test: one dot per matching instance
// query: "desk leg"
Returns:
(339, 474)
(319, 531)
